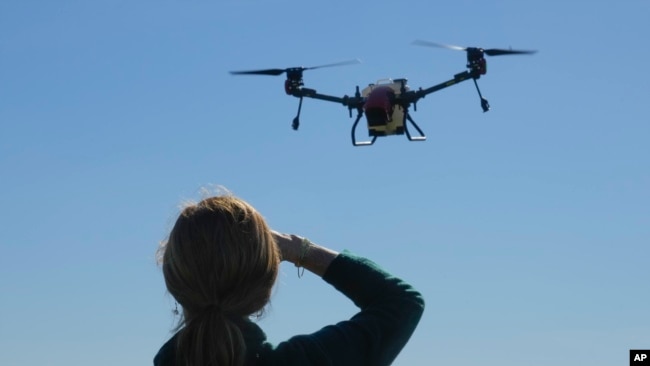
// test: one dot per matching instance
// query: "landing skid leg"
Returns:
(484, 103)
(296, 120)
(354, 128)
(407, 118)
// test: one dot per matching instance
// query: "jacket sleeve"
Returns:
(390, 310)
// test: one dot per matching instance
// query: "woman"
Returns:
(220, 264)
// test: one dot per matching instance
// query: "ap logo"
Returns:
(639, 357)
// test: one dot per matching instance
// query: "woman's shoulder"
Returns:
(166, 354)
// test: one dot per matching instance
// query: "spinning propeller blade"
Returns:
(275, 72)
(489, 52)
(342, 63)
(498, 52)
(440, 45)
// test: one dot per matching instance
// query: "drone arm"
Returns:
(460, 77)
(311, 93)
(350, 102)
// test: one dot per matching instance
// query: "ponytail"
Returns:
(211, 339)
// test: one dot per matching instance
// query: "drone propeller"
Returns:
(276, 72)
(489, 52)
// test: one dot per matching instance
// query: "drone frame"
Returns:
(476, 67)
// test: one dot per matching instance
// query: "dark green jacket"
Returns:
(390, 311)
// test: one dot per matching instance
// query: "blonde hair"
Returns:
(220, 263)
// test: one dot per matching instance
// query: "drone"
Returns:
(386, 103)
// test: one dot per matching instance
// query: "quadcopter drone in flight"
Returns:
(386, 103)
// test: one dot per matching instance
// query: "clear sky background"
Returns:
(527, 228)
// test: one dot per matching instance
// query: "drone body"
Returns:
(386, 103)
(384, 117)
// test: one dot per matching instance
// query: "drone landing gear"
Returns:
(296, 121)
(484, 103)
(354, 128)
(407, 118)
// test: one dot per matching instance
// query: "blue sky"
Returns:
(526, 228)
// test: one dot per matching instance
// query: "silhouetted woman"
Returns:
(220, 263)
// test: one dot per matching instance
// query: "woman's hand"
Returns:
(302, 253)
(289, 245)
